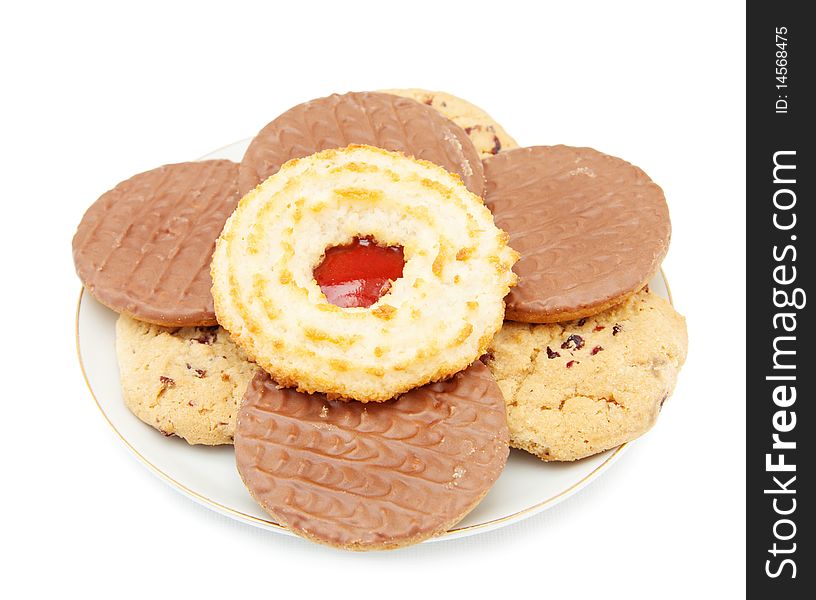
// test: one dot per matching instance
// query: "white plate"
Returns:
(208, 474)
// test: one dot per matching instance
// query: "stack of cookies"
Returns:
(381, 299)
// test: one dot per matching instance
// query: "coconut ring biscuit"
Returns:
(433, 321)
(370, 477)
(382, 120)
(591, 229)
(578, 388)
(144, 247)
(487, 135)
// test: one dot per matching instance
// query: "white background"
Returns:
(93, 94)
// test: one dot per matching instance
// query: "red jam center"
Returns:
(358, 274)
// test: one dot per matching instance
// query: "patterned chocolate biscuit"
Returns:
(365, 477)
(144, 247)
(591, 229)
(382, 120)
(487, 135)
(578, 388)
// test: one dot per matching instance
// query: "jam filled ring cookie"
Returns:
(382, 120)
(184, 381)
(578, 388)
(143, 248)
(371, 477)
(432, 322)
(591, 229)
(487, 135)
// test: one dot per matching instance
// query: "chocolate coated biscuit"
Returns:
(591, 229)
(363, 476)
(487, 135)
(144, 247)
(381, 120)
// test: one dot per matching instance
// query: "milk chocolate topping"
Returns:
(370, 476)
(382, 120)
(591, 229)
(144, 247)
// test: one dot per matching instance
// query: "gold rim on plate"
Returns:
(272, 524)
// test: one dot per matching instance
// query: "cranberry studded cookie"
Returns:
(185, 381)
(577, 388)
